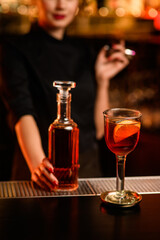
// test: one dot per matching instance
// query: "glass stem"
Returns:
(120, 172)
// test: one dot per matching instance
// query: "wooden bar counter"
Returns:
(27, 212)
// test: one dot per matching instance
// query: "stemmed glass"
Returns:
(122, 129)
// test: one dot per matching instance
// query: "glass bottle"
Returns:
(64, 140)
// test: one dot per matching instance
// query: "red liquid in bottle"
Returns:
(64, 155)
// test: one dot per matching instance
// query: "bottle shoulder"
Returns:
(63, 125)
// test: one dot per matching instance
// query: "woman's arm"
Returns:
(101, 104)
(30, 143)
(105, 69)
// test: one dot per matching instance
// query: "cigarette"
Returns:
(128, 52)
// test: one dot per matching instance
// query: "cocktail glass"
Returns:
(122, 130)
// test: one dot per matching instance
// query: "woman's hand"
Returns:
(107, 67)
(43, 175)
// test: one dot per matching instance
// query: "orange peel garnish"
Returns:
(125, 129)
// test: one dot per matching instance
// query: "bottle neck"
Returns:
(63, 108)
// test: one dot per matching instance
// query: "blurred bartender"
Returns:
(30, 64)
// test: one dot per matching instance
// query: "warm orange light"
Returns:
(22, 9)
(152, 12)
(157, 22)
(5, 7)
(136, 12)
(120, 12)
(103, 11)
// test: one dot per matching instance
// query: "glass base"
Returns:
(125, 199)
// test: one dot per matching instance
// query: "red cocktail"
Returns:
(122, 129)
(122, 136)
